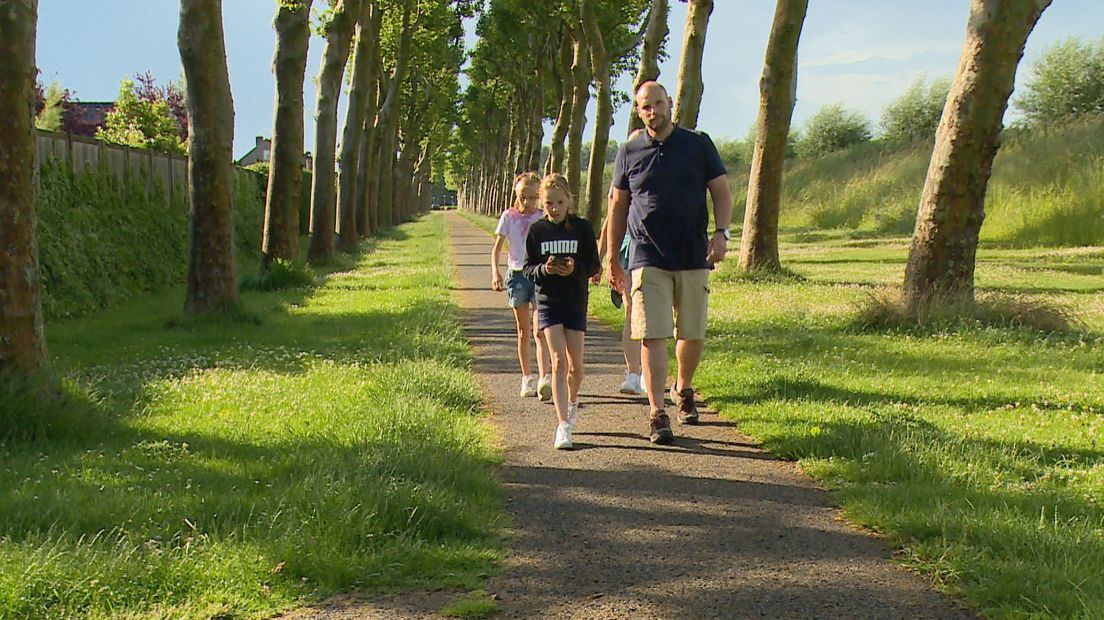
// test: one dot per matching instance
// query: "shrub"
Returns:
(915, 114)
(142, 123)
(883, 310)
(832, 128)
(281, 274)
(102, 239)
(1067, 81)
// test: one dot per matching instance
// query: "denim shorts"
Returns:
(570, 318)
(519, 290)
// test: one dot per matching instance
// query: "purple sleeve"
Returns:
(503, 227)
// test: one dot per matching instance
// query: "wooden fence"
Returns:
(80, 153)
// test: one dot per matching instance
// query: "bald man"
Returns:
(660, 180)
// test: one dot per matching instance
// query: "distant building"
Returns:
(86, 117)
(261, 152)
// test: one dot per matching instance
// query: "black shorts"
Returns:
(570, 318)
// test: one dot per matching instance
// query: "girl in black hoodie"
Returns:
(561, 254)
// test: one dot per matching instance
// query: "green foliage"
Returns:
(102, 239)
(141, 123)
(736, 154)
(238, 469)
(1067, 82)
(281, 274)
(52, 114)
(830, 129)
(915, 114)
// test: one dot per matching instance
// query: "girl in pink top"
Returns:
(521, 295)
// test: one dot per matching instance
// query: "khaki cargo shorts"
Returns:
(669, 303)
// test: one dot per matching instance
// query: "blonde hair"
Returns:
(555, 180)
(524, 179)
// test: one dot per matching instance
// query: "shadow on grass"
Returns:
(992, 538)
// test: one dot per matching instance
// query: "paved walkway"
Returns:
(711, 527)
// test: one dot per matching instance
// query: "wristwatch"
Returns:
(724, 231)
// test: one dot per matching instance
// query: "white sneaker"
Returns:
(572, 414)
(529, 386)
(632, 384)
(544, 388)
(563, 437)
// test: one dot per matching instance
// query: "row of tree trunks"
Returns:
(581, 74)
(556, 155)
(777, 96)
(22, 336)
(952, 206)
(387, 127)
(211, 284)
(335, 56)
(285, 177)
(600, 68)
(655, 34)
(690, 87)
(365, 200)
(347, 231)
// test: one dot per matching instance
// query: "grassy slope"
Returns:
(239, 468)
(1047, 188)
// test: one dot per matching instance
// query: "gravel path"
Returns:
(711, 527)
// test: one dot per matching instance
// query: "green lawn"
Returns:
(240, 467)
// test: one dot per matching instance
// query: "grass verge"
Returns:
(238, 468)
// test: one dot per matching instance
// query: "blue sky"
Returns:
(861, 53)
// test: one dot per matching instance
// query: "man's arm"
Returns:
(722, 217)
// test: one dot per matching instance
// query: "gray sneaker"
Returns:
(687, 408)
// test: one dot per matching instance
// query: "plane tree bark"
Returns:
(359, 93)
(600, 68)
(690, 87)
(339, 36)
(777, 95)
(655, 35)
(212, 284)
(22, 334)
(952, 207)
(285, 177)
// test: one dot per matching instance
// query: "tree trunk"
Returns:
(654, 36)
(347, 232)
(212, 285)
(285, 176)
(688, 99)
(388, 127)
(580, 70)
(600, 66)
(371, 166)
(334, 58)
(952, 206)
(22, 336)
(777, 96)
(567, 97)
(366, 160)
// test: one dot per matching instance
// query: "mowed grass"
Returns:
(236, 468)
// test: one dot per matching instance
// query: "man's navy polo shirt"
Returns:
(667, 181)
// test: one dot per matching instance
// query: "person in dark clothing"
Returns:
(660, 180)
(561, 254)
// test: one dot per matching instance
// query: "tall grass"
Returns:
(1047, 188)
(233, 469)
